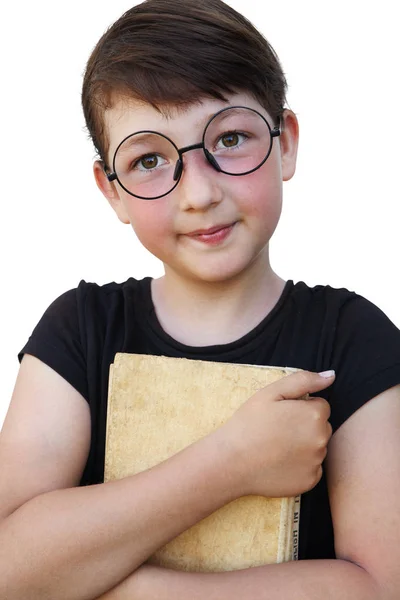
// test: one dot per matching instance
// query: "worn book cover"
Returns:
(159, 405)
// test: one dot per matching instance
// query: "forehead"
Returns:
(183, 125)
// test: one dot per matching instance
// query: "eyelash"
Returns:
(235, 132)
(139, 160)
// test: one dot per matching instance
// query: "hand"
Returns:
(279, 441)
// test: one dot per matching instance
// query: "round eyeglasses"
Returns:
(236, 141)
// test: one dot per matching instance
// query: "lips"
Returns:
(213, 236)
(210, 231)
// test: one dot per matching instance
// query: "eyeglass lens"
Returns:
(239, 139)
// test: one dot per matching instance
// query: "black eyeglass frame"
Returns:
(275, 132)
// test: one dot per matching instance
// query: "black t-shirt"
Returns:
(313, 328)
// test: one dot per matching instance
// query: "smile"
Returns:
(213, 235)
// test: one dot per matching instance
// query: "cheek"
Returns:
(261, 194)
(151, 221)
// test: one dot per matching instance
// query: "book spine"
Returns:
(296, 528)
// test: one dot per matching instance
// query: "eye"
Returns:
(231, 139)
(148, 162)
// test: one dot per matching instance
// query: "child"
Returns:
(185, 105)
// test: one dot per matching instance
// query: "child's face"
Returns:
(248, 207)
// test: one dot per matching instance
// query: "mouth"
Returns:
(210, 231)
(212, 235)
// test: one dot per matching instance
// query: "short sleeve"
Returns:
(366, 357)
(57, 341)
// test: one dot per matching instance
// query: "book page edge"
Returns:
(109, 393)
(118, 355)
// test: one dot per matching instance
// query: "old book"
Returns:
(157, 406)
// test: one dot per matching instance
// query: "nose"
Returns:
(198, 187)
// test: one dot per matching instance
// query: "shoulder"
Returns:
(105, 293)
(325, 295)
(354, 337)
(320, 307)
(71, 333)
(346, 309)
(81, 302)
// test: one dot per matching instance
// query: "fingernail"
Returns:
(327, 374)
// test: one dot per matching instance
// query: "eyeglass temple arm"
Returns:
(278, 129)
(106, 169)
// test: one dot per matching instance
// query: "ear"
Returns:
(289, 141)
(109, 190)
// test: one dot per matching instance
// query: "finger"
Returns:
(322, 406)
(298, 384)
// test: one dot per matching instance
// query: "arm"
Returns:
(364, 486)
(58, 541)
(61, 542)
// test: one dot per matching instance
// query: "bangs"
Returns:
(168, 54)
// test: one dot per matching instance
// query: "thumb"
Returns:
(299, 384)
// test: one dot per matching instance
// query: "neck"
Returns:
(199, 313)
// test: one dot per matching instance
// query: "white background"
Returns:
(339, 224)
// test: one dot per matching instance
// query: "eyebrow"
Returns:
(224, 115)
(140, 138)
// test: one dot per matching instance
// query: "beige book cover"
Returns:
(157, 406)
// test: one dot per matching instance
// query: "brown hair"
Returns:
(175, 52)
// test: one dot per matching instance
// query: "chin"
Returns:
(227, 267)
(216, 275)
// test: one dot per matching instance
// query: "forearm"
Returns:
(303, 580)
(76, 544)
